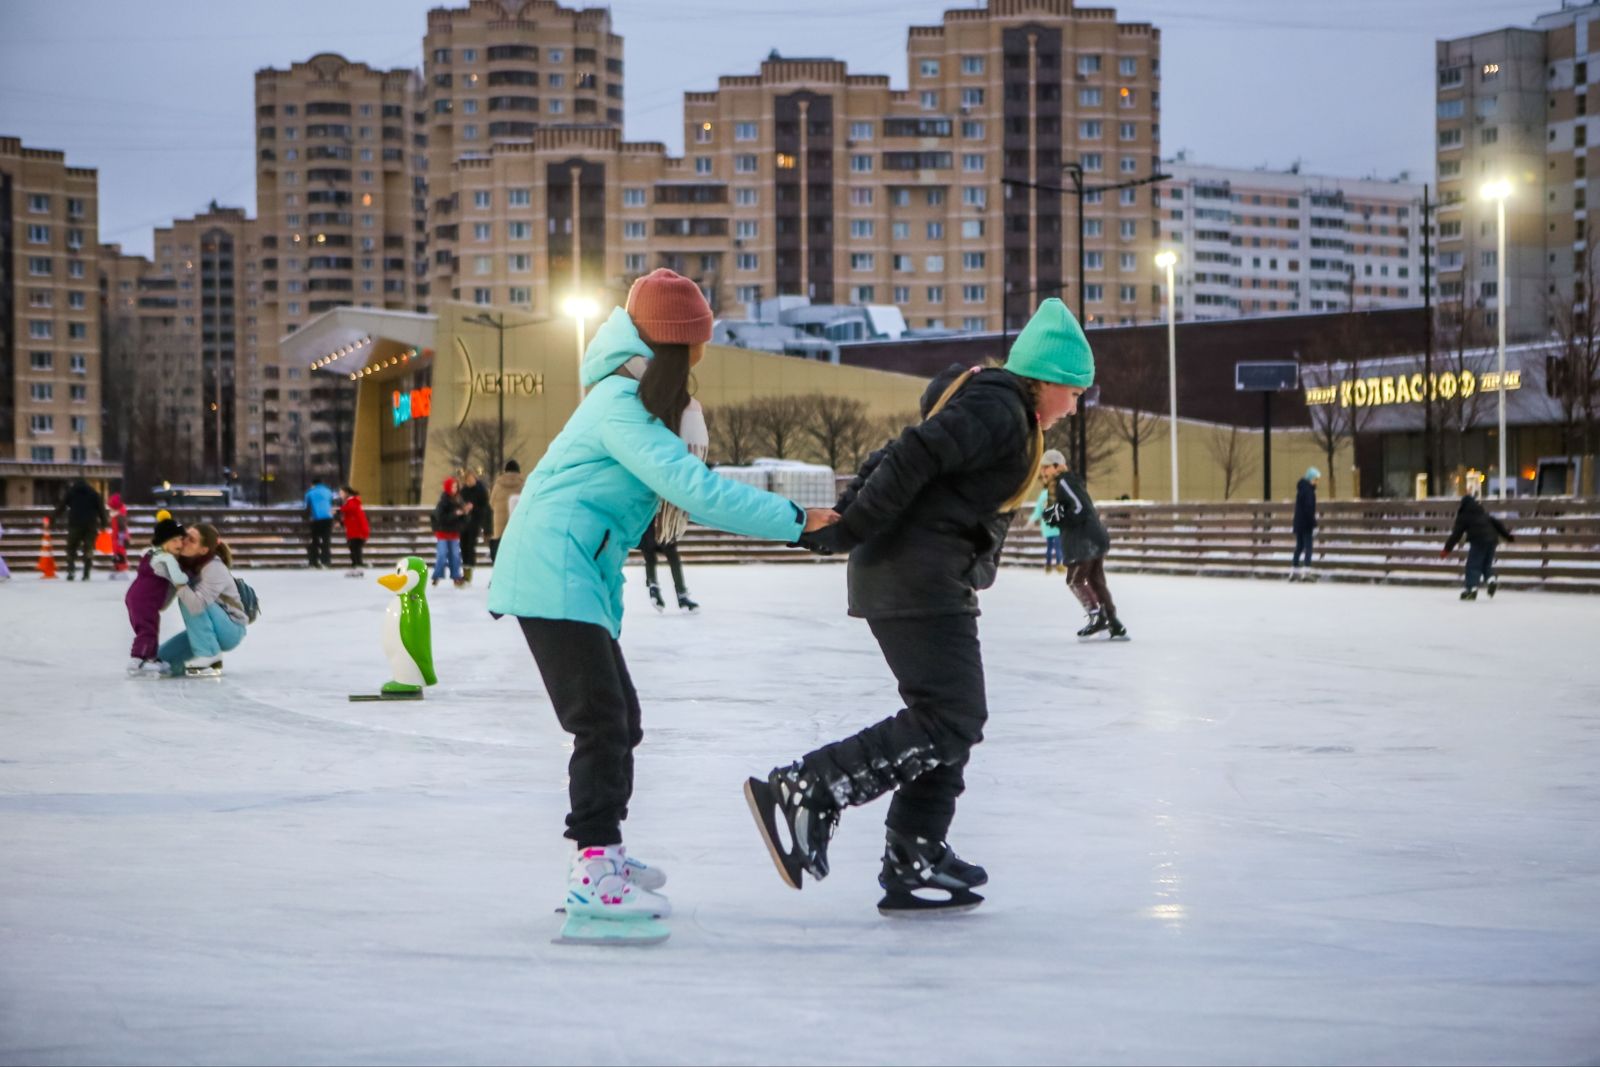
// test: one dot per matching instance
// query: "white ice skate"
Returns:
(355, 572)
(643, 875)
(146, 668)
(605, 907)
(203, 667)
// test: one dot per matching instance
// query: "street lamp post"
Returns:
(500, 327)
(580, 308)
(1169, 260)
(1498, 191)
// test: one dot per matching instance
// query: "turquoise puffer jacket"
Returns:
(598, 486)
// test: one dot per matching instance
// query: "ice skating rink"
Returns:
(1285, 824)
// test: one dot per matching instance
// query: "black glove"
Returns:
(1055, 514)
(828, 541)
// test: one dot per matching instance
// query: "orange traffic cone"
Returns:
(47, 558)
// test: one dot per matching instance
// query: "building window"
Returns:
(481, 296)
(38, 203)
(521, 294)
(41, 329)
(482, 198)
(747, 197)
(519, 231)
(633, 196)
(78, 363)
(42, 423)
(1452, 109)
(1094, 294)
(519, 197)
(38, 235)
(519, 263)
(702, 165)
(41, 391)
(902, 294)
(557, 81)
(1490, 134)
(482, 231)
(39, 266)
(744, 131)
(1090, 130)
(633, 231)
(1088, 65)
(1127, 261)
(1128, 294)
(933, 264)
(634, 263)
(1449, 138)
(935, 294)
(973, 260)
(557, 106)
(1093, 161)
(864, 294)
(1093, 227)
(1128, 165)
(861, 164)
(900, 231)
(862, 261)
(971, 97)
(901, 265)
(974, 294)
(80, 424)
(702, 133)
(1450, 76)
(972, 64)
(935, 231)
(975, 196)
(748, 261)
(1089, 98)
(929, 68)
(861, 196)
(1128, 131)
(1128, 197)
(862, 228)
(930, 100)
(1094, 261)
(744, 164)
(469, 132)
(77, 331)
(972, 130)
(41, 361)
(746, 229)
(972, 162)
(482, 264)
(1128, 67)
(42, 453)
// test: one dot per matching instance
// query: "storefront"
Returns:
(1383, 405)
(472, 386)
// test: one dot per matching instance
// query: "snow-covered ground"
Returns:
(1285, 824)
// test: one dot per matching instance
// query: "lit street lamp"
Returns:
(1169, 260)
(580, 308)
(1498, 191)
(482, 318)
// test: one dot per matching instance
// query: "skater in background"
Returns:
(474, 494)
(631, 448)
(502, 498)
(1085, 543)
(1483, 533)
(117, 511)
(155, 584)
(5, 572)
(356, 528)
(450, 516)
(85, 514)
(1305, 524)
(1050, 533)
(924, 522)
(319, 511)
(214, 618)
(649, 545)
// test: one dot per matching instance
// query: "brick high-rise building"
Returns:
(803, 178)
(1258, 242)
(339, 207)
(50, 387)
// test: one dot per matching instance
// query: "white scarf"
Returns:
(671, 521)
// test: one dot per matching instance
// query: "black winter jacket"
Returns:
(448, 517)
(481, 517)
(83, 507)
(1305, 507)
(922, 518)
(1083, 535)
(1476, 524)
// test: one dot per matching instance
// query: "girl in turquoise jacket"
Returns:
(632, 449)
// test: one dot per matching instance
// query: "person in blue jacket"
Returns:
(632, 449)
(319, 508)
(1305, 524)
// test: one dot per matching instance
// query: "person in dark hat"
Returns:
(152, 589)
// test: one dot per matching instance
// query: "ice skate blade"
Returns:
(768, 829)
(358, 697)
(906, 906)
(611, 933)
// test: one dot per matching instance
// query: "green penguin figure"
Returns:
(407, 631)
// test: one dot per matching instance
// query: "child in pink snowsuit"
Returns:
(151, 591)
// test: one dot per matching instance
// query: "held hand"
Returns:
(817, 518)
(1444, 553)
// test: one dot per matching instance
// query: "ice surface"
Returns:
(1285, 824)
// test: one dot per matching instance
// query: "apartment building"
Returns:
(1513, 105)
(1260, 242)
(50, 388)
(339, 207)
(944, 198)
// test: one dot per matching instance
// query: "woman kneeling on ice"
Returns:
(214, 618)
(628, 451)
(924, 523)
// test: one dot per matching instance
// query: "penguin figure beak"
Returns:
(392, 582)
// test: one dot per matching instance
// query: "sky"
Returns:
(159, 95)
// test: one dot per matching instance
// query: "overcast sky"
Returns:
(158, 94)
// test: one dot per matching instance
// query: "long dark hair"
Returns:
(214, 544)
(664, 388)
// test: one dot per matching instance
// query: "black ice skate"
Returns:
(922, 877)
(1097, 622)
(785, 801)
(655, 597)
(1119, 632)
(687, 604)
(1469, 594)
(1491, 585)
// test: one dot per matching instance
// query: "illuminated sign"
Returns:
(1379, 391)
(412, 404)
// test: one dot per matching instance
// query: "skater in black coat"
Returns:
(1084, 544)
(1483, 533)
(1305, 523)
(924, 522)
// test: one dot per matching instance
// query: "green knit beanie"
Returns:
(1052, 348)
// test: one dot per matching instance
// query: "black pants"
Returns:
(919, 752)
(1480, 564)
(1087, 580)
(648, 547)
(357, 546)
(494, 549)
(80, 539)
(320, 548)
(1302, 546)
(588, 683)
(469, 547)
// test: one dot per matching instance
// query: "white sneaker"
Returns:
(598, 887)
(643, 875)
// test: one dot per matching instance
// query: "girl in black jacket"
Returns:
(1483, 533)
(1084, 544)
(924, 522)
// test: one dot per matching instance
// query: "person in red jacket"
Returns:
(356, 528)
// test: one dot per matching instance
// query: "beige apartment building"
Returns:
(1260, 242)
(50, 376)
(1514, 105)
(943, 198)
(339, 210)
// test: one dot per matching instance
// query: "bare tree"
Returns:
(733, 433)
(1099, 433)
(474, 444)
(1344, 416)
(1573, 368)
(840, 430)
(779, 423)
(1128, 424)
(1229, 447)
(1463, 359)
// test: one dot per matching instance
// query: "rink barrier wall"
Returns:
(1396, 542)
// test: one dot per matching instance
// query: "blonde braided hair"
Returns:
(1036, 447)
